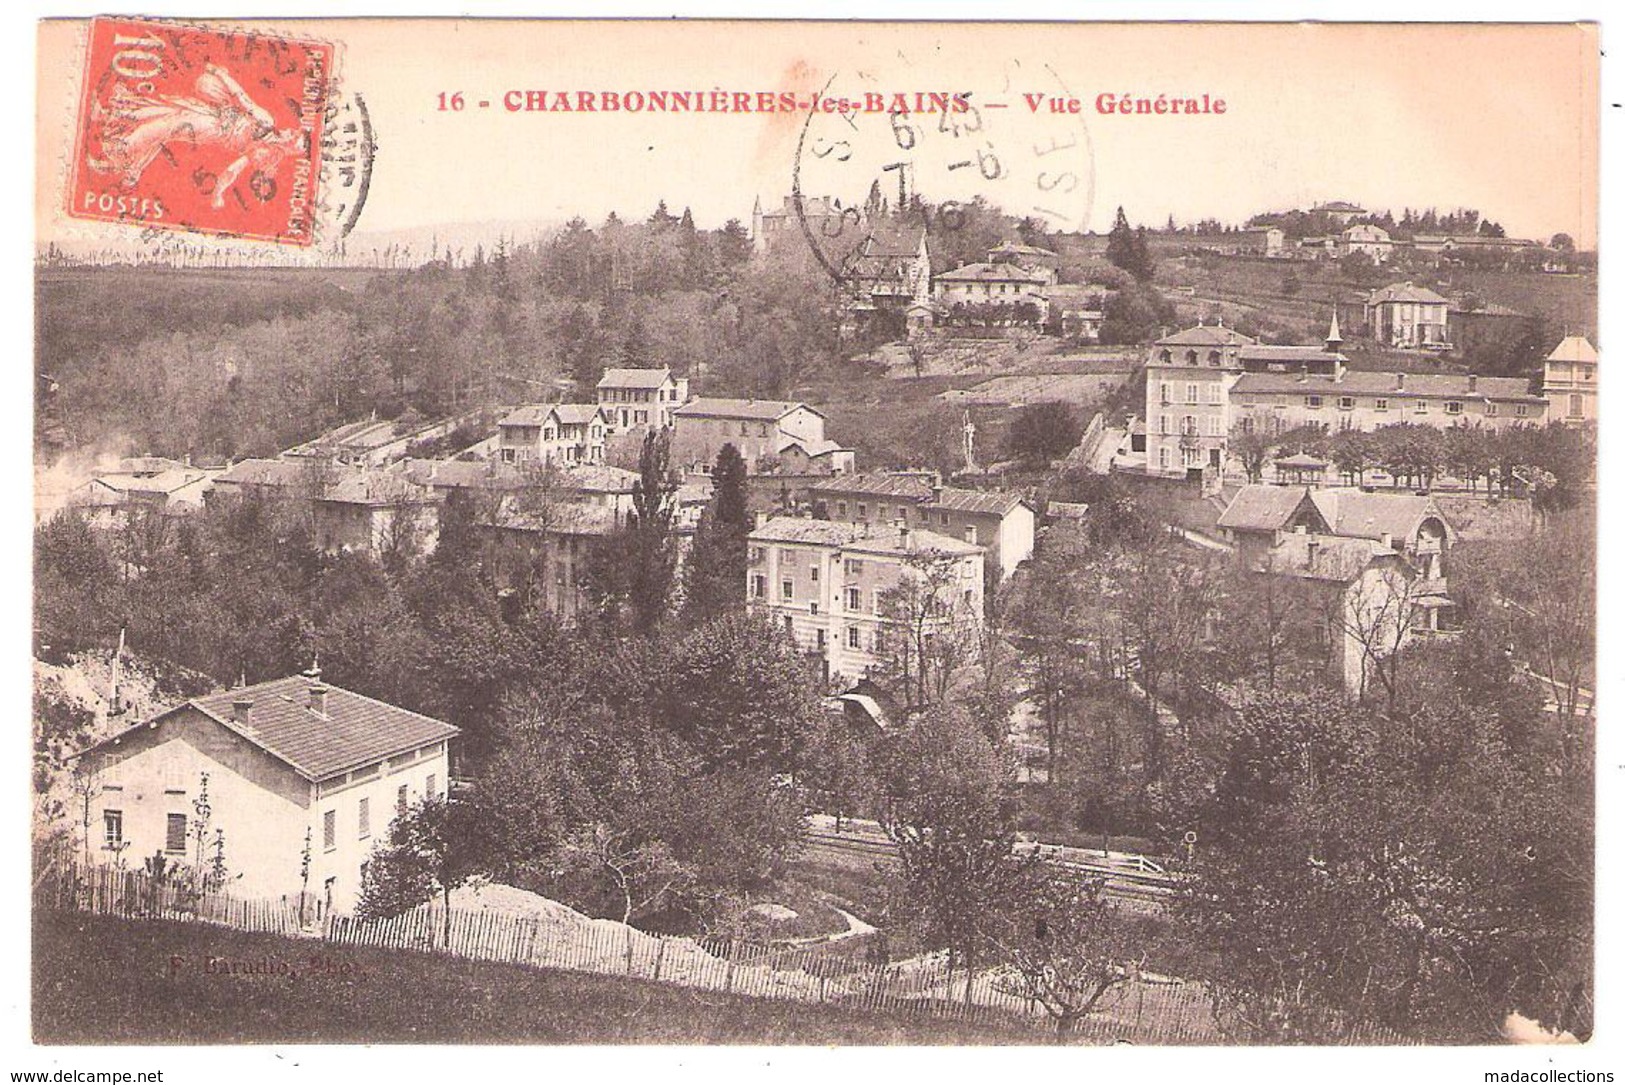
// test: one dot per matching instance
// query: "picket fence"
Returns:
(1141, 1012)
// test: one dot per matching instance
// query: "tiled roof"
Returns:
(1262, 508)
(1405, 292)
(865, 538)
(372, 488)
(1266, 352)
(355, 731)
(634, 378)
(813, 449)
(1206, 335)
(598, 478)
(988, 502)
(558, 518)
(909, 487)
(1488, 308)
(575, 414)
(531, 414)
(1360, 382)
(1574, 348)
(1301, 459)
(1357, 514)
(889, 242)
(1022, 250)
(997, 273)
(462, 474)
(755, 410)
(265, 473)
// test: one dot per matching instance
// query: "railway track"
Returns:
(1147, 889)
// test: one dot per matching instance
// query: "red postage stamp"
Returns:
(204, 130)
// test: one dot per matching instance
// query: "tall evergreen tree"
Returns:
(714, 577)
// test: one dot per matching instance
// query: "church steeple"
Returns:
(1334, 338)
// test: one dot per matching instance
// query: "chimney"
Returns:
(902, 536)
(1400, 378)
(318, 699)
(1314, 551)
(1388, 539)
(1472, 382)
(240, 708)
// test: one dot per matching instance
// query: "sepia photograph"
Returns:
(826, 533)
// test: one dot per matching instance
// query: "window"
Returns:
(758, 585)
(744, 429)
(1576, 406)
(175, 834)
(363, 819)
(642, 417)
(863, 511)
(1382, 404)
(1492, 409)
(787, 557)
(944, 519)
(970, 534)
(1167, 392)
(840, 509)
(789, 626)
(854, 599)
(1312, 402)
(1452, 406)
(1162, 425)
(1521, 409)
(1213, 425)
(1213, 390)
(113, 829)
(1166, 356)
(854, 637)
(813, 606)
(814, 572)
(330, 830)
(428, 787)
(1190, 357)
(1247, 424)
(1187, 425)
(854, 566)
(787, 590)
(1345, 403)
(400, 800)
(756, 555)
(1190, 393)
(1213, 357)
(819, 634)
(761, 431)
(1421, 406)
(1162, 456)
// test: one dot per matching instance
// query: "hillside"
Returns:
(309, 992)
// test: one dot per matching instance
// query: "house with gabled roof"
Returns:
(290, 770)
(1409, 316)
(768, 433)
(1570, 381)
(554, 433)
(640, 397)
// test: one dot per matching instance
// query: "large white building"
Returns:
(295, 770)
(1570, 383)
(640, 397)
(827, 582)
(1204, 383)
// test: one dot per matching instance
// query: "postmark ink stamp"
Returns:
(201, 130)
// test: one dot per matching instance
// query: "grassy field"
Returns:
(100, 980)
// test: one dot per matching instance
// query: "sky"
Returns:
(1502, 118)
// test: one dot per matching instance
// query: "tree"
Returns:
(1067, 946)
(1134, 314)
(929, 630)
(630, 575)
(950, 819)
(1041, 432)
(714, 574)
(432, 848)
(1354, 452)
(1128, 249)
(1562, 243)
(1251, 449)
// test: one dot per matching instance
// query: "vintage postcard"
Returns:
(816, 533)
